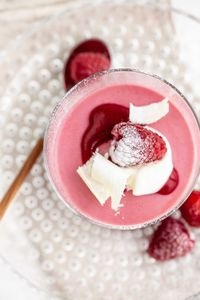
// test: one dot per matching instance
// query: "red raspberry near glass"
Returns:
(85, 64)
(170, 240)
(90, 45)
(190, 210)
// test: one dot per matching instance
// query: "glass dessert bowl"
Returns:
(81, 124)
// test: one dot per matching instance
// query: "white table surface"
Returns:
(21, 15)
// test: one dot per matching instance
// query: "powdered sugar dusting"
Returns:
(134, 144)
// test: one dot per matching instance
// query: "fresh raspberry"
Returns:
(190, 210)
(134, 144)
(170, 240)
(88, 63)
(91, 45)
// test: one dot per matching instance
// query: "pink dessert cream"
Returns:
(122, 149)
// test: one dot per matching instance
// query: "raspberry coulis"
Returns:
(102, 119)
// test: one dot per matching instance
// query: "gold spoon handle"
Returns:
(19, 179)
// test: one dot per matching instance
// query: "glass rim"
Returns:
(83, 83)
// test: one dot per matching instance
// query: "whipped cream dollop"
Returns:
(106, 179)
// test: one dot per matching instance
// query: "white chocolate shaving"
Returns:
(148, 114)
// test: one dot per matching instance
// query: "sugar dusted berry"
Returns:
(170, 240)
(190, 210)
(135, 144)
(91, 45)
(85, 64)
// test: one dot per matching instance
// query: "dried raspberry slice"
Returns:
(134, 144)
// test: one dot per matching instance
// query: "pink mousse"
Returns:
(64, 156)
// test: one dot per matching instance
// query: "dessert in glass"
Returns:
(122, 148)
